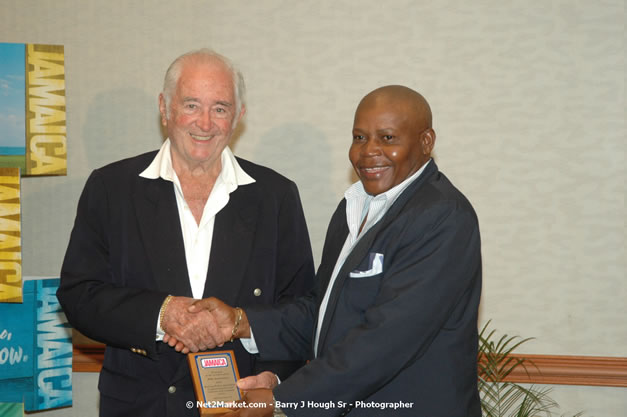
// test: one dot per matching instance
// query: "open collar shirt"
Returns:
(359, 206)
(197, 237)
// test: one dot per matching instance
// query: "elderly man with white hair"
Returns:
(189, 221)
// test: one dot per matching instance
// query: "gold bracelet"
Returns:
(162, 310)
(236, 325)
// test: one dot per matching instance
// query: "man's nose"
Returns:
(371, 147)
(204, 120)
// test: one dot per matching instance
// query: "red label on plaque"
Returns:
(213, 362)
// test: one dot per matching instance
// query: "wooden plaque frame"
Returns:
(215, 376)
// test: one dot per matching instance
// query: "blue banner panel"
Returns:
(36, 349)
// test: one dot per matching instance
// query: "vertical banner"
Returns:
(35, 337)
(36, 349)
(10, 237)
(32, 108)
(46, 145)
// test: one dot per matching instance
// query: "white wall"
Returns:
(528, 98)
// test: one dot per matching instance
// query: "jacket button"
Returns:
(257, 292)
(172, 389)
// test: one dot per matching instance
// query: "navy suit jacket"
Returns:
(126, 254)
(405, 335)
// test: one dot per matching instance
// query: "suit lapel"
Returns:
(356, 255)
(160, 228)
(233, 238)
(363, 247)
(333, 244)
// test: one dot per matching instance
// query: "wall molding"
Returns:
(88, 358)
(540, 369)
(571, 370)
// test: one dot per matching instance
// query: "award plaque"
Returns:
(214, 375)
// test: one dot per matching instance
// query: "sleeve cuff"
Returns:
(249, 343)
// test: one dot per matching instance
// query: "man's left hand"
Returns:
(265, 379)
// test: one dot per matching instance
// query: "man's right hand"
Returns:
(190, 331)
(225, 317)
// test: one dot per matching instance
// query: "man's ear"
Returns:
(163, 110)
(241, 113)
(427, 140)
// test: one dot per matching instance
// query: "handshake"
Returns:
(194, 325)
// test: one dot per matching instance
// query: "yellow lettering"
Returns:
(51, 56)
(14, 269)
(47, 86)
(11, 256)
(10, 293)
(8, 225)
(8, 209)
(48, 153)
(43, 65)
(10, 179)
(8, 193)
(9, 241)
(45, 116)
(46, 141)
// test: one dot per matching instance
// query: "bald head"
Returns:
(403, 99)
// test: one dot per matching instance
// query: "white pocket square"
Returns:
(375, 264)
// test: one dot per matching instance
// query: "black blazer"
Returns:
(126, 254)
(407, 334)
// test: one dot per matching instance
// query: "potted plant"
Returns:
(501, 398)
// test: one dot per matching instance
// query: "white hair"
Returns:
(173, 74)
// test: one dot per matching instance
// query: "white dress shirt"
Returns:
(197, 237)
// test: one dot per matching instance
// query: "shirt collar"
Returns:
(359, 204)
(357, 193)
(232, 173)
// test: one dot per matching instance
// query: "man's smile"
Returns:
(201, 138)
(373, 171)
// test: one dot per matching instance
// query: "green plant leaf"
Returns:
(500, 398)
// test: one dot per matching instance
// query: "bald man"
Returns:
(392, 327)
